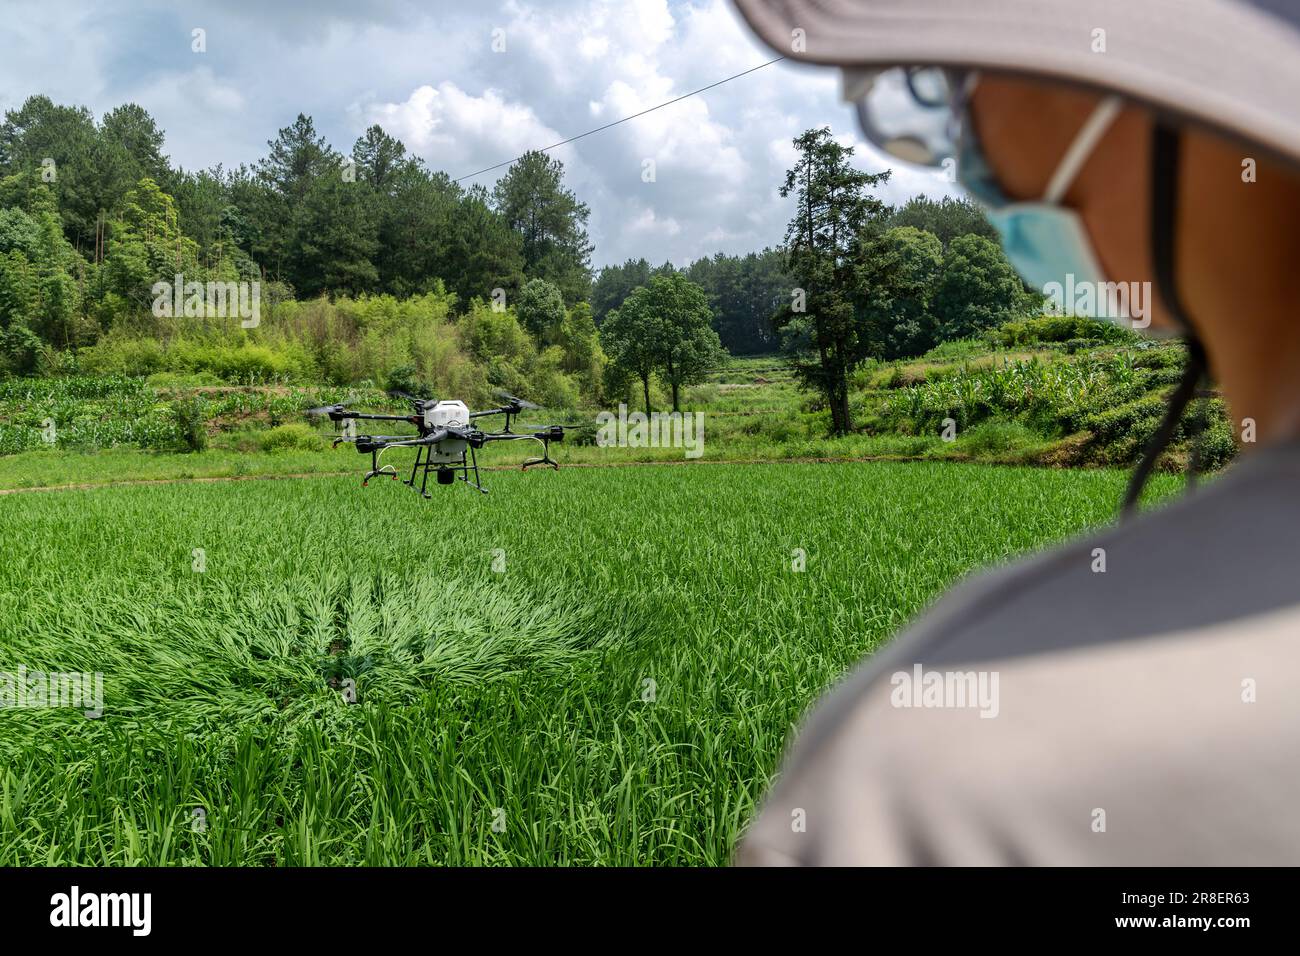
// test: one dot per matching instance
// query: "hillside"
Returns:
(1017, 398)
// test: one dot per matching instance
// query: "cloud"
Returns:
(459, 131)
(427, 73)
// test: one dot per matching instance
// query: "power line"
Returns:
(651, 109)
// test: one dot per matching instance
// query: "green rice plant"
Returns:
(594, 667)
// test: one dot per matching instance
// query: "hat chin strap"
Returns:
(1084, 144)
(1165, 152)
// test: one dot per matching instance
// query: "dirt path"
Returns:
(133, 482)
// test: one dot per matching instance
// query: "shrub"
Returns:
(116, 355)
(1113, 423)
(179, 380)
(955, 349)
(997, 438)
(294, 437)
(1040, 329)
(1217, 445)
(405, 378)
(190, 414)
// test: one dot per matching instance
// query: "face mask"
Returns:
(1045, 241)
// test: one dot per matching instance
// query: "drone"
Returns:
(447, 438)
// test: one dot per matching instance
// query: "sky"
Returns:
(466, 85)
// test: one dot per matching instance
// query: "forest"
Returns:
(372, 267)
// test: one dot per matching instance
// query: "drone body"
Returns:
(447, 414)
(447, 439)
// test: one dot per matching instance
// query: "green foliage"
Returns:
(404, 378)
(977, 290)
(745, 293)
(685, 348)
(1035, 330)
(917, 260)
(614, 284)
(540, 308)
(19, 349)
(292, 437)
(550, 220)
(631, 336)
(997, 439)
(190, 413)
(833, 253)
(583, 354)
(337, 239)
(945, 218)
(955, 349)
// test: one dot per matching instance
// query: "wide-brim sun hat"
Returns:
(1231, 64)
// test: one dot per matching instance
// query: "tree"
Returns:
(57, 145)
(337, 239)
(580, 341)
(631, 337)
(614, 284)
(417, 229)
(688, 347)
(540, 308)
(128, 149)
(486, 254)
(946, 218)
(551, 222)
(828, 242)
(744, 293)
(917, 258)
(379, 158)
(298, 156)
(977, 290)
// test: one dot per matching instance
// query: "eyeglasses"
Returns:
(913, 113)
(920, 115)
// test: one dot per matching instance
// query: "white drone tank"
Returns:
(442, 415)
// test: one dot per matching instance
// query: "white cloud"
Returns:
(454, 129)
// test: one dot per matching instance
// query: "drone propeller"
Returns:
(515, 400)
(542, 428)
(325, 410)
(417, 402)
(335, 411)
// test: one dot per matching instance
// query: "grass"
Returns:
(616, 691)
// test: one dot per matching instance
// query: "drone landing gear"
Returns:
(445, 473)
(468, 463)
(419, 456)
(375, 469)
(544, 460)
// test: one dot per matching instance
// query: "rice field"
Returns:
(595, 666)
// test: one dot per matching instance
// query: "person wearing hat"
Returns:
(1132, 698)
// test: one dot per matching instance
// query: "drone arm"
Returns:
(345, 414)
(367, 443)
(484, 437)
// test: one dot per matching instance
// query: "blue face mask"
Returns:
(1045, 241)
